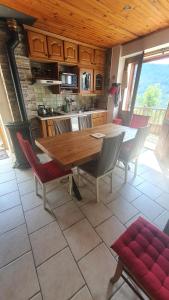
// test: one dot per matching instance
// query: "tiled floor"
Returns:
(69, 257)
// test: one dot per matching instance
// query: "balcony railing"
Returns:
(156, 117)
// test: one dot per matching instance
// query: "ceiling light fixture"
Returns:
(127, 7)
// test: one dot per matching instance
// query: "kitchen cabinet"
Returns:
(98, 81)
(86, 81)
(37, 45)
(86, 55)
(99, 57)
(55, 49)
(99, 119)
(70, 52)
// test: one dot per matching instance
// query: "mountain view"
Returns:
(154, 75)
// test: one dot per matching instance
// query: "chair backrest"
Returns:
(109, 153)
(62, 126)
(85, 122)
(28, 151)
(138, 143)
(138, 121)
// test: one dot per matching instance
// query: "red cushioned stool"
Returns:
(143, 252)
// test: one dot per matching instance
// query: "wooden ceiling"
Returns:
(103, 23)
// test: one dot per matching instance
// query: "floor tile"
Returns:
(30, 201)
(18, 280)
(8, 187)
(148, 207)
(46, 242)
(27, 186)
(96, 213)
(87, 196)
(13, 244)
(9, 200)
(129, 193)
(122, 209)
(126, 293)
(11, 218)
(97, 268)
(60, 277)
(37, 297)
(68, 214)
(81, 238)
(136, 180)
(135, 218)
(83, 294)
(23, 175)
(4, 177)
(58, 195)
(163, 200)
(150, 190)
(162, 220)
(6, 166)
(110, 230)
(37, 218)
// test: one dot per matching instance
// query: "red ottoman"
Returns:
(143, 252)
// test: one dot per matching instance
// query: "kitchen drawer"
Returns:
(99, 115)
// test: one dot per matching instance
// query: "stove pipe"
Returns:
(11, 44)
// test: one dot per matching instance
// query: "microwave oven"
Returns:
(69, 80)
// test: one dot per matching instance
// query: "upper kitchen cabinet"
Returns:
(86, 55)
(70, 52)
(86, 81)
(55, 49)
(98, 81)
(37, 45)
(99, 57)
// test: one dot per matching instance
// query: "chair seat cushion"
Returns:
(50, 171)
(144, 251)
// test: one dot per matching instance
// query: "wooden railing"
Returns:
(156, 117)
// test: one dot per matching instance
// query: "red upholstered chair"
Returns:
(143, 252)
(43, 173)
(138, 121)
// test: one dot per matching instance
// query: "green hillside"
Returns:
(155, 74)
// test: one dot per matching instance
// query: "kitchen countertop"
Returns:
(73, 114)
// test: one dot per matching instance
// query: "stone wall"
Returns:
(6, 73)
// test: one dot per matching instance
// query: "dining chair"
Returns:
(44, 173)
(138, 121)
(104, 164)
(85, 122)
(62, 126)
(131, 150)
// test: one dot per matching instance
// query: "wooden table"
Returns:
(74, 148)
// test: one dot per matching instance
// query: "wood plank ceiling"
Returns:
(104, 23)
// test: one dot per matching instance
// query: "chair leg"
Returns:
(78, 177)
(36, 186)
(118, 272)
(97, 190)
(135, 168)
(70, 185)
(44, 196)
(126, 172)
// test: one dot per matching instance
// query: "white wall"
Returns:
(159, 39)
(5, 111)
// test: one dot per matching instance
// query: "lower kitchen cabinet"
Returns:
(48, 128)
(99, 119)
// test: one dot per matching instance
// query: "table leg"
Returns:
(76, 190)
